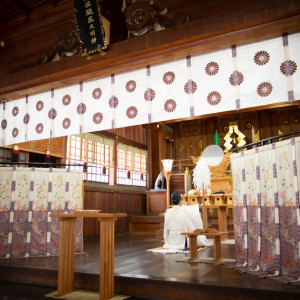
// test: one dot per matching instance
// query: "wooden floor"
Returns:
(158, 276)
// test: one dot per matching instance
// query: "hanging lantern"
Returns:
(85, 167)
(103, 170)
(47, 159)
(15, 154)
(128, 174)
(142, 176)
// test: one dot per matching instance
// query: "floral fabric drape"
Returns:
(27, 197)
(266, 183)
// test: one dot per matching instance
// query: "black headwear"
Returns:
(176, 197)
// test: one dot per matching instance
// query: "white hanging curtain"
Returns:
(240, 77)
(266, 183)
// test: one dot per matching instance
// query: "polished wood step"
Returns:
(145, 225)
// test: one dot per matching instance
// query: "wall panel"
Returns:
(109, 203)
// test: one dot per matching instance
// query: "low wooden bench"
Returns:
(209, 231)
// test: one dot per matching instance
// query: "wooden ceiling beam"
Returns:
(18, 6)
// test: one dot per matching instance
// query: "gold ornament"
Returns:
(233, 138)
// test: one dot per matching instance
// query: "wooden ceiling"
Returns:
(12, 9)
(30, 28)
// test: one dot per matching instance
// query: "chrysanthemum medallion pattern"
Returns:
(212, 68)
(149, 95)
(288, 68)
(214, 98)
(236, 78)
(15, 111)
(52, 113)
(97, 118)
(97, 93)
(131, 112)
(169, 77)
(66, 100)
(190, 87)
(66, 123)
(81, 108)
(170, 105)
(40, 105)
(130, 86)
(26, 119)
(39, 128)
(3, 123)
(113, 102)
(261, 58)
(15, 132)
(264, 89)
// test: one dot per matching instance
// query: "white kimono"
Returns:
(179, 219)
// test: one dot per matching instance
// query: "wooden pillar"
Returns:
(217, 247)
(222, 220)
(193, 247)
(204, 214)
(66, 256)
(107, 245)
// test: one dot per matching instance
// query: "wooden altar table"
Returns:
(67, 250)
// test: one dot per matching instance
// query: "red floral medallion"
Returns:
(288, 67)
(15, 132)
(130, 86)
(39, 128)
(26, 119)
(236, 78)
(149, 95)
(97, 93)
(131, 112)
(264, 89)
(261, 58)
(214, 98)
(212, 68)
(15, 111)
(169, 77)
(66, 100)
(170, 105)
(190, 87)
(3, 124)
(40, 105)
(97, 118)
(113, 102)
(66, 123)
(81, 108)
(52, 114)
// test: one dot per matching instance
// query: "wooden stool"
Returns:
(193, 242)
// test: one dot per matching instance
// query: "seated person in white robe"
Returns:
(178, 219)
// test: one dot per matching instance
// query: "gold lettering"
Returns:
(87, 4)
(92, 33)
(93, 40)
(88, 12)
(92, 26)
(90, 19)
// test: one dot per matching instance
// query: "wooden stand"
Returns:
(222, 217)
(67, 251)
(156, 201)
(193, 242)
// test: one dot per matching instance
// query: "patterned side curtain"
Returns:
(27, 197)
(266, 183)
